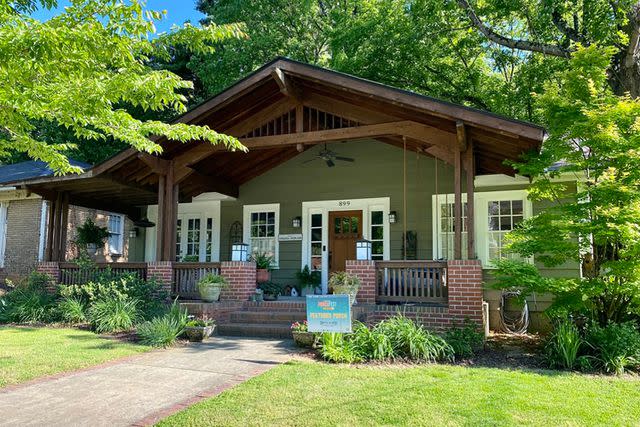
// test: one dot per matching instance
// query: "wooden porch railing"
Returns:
(187, 274)
(411, 282)
(72, 274)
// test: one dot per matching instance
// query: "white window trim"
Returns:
(481, 218)
(120, 247)
(4, 207)
(324, 207)
(247, 210)
(202, 209)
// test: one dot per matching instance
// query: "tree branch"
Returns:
(562, 25)
(519, 44)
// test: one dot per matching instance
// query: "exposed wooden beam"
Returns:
(269, 113)
(287, 87)
(461, 134)
(214, 184)
(156, 164)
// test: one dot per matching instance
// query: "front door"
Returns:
(345, 228)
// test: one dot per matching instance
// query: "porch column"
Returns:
(470, 165)
(57, 228)
(168, 192)
(457, 182)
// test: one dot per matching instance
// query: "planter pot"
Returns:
(263, 275)
(210, 293)
(198, 333)
(92, 248)
(304, 339)
(269, 297)
(346, 291)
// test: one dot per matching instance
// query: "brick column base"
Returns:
(464, 282)
(162, 272)
(51, 269)
(242, 280)
(366, 272)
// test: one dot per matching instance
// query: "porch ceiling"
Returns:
(281, 110)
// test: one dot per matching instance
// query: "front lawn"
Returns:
(27, 353)
(308, 393)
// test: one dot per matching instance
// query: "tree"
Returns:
(556, 28)
(80, 69)
(594, 136)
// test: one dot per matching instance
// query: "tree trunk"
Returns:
(625, 70)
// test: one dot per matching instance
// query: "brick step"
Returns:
(271, 306)
(269, 317)
(274, 330)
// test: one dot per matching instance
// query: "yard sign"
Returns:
(328, 313)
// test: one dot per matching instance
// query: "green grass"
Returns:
(27, 353)
(316, 394)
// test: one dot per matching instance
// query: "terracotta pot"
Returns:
(304, 339)
(263, 275)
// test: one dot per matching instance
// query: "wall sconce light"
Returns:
(239, 252)
(296, 222)
(393, 217)
(133, 233)
(363, 250)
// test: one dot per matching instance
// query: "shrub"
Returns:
(372, 344)
(466, 340)
(114, 314)
(410, 340)
(178, 314)
(336, 348)
(564, 344)
(149, 293)
(270, 288)
(161, 331)
(616, 347)
(29, 302)
(72, 310)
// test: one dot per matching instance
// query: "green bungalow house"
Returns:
(332, 160)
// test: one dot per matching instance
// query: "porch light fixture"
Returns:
(296, 222)
(393, 217)
(239, 252)
(363, 250)
(133, 233)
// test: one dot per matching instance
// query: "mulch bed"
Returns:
(502, 350)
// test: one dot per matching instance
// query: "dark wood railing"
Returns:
(187, 274)
(72, 274)
(411, 282)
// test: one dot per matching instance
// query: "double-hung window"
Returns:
(444, 226)
(116, 234)
(261, 229)
(502, 217)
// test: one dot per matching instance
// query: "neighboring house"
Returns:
(332, 160)
(23, 224)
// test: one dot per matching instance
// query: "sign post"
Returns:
(329, 313)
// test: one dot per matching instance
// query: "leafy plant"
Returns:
(160, 331)
(466, 340)
(616, 346)
(114, 314)
(190, 258)
(412, 341)
(307, 278)
(72, 310)
(178, 314)
(336, 348)
(270, 288)
(263, 261)
(300, 326)
(91, 233)
(372, 344)
(29, 302)
(564, 344)
(213, 280)
(199, 323)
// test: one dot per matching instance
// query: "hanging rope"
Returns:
(513, 324)
(437, 254)
(404, 197)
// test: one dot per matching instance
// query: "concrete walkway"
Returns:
(142, 389)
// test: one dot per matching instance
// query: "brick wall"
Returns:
(464, 280)
(242, 280)
(162, 271)
(366, 272)
(23, 237)
(52, 270)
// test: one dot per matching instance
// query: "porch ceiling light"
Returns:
(363, 250)
(239, 252)
(296, 222)
(393, 217)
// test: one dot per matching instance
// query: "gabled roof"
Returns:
(283, 108)
(31, 169)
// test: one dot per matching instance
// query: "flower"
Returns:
(300, 326)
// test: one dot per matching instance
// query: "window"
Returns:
(377, 235)
(193, 238)
(503, 216)
(316, 242)
(261, 228)
(445, 225)
(208, 239)
(116, 232)
(179, 240)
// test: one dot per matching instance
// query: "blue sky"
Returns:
(178, 11)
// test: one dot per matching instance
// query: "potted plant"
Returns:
(199, 329)
(91, 236)
(270, 290)
(308, 280)
(264, 265)
(301, 335)
(344, 283)
(210, 286)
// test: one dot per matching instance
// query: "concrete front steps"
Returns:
(269, 319)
